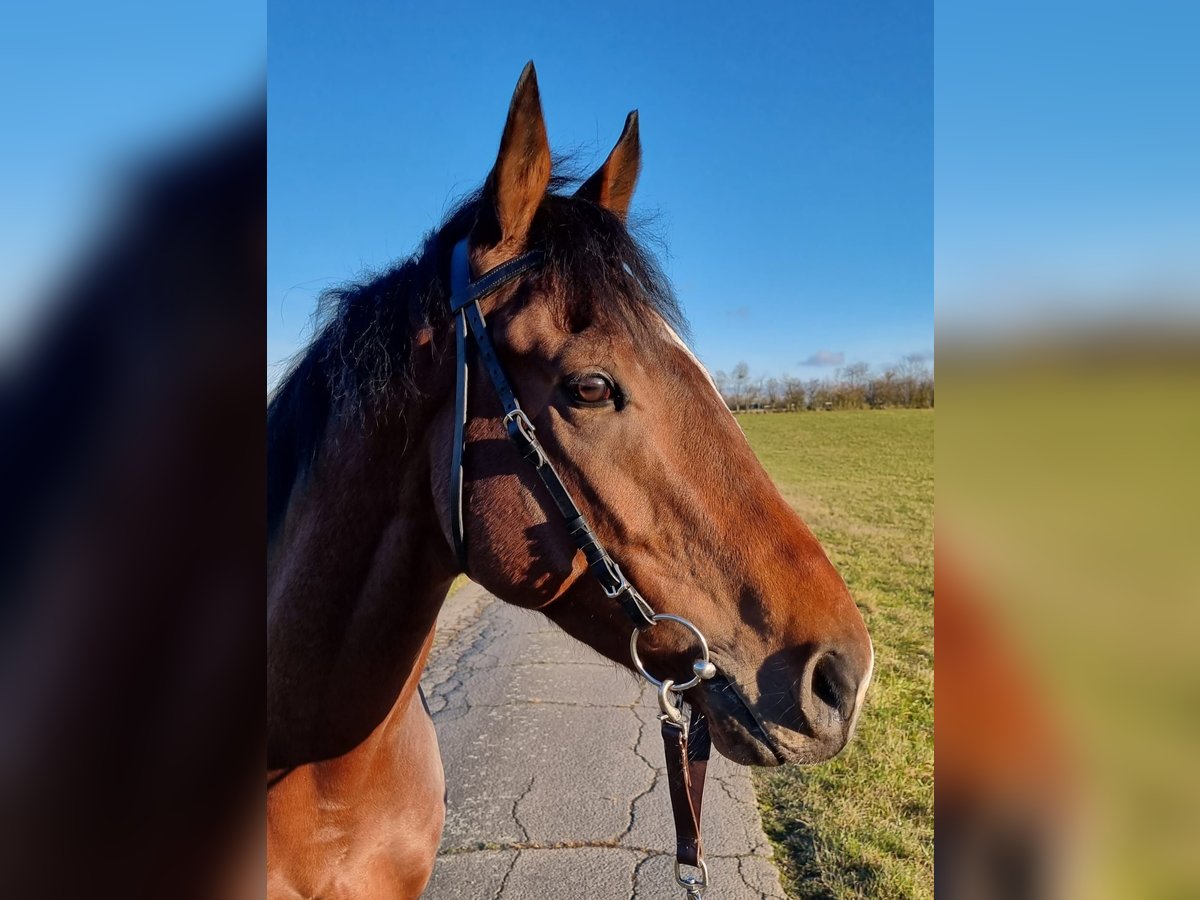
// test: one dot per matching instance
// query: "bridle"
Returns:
(686, 744)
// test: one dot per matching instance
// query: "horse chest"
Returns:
(364, 825)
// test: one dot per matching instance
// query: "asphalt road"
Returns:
(554, 772)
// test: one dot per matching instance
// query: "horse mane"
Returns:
(360, 363)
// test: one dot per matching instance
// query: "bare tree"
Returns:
(741, 384)
(793, 392)
(817, 392)
(855, 374)
(771, 391)
(916, 382)
(852, 393)
(886, 390)
(754, 395)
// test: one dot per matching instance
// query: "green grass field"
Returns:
(862, 825)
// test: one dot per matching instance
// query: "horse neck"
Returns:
(355, 580)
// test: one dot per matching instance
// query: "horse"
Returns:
(362, 537)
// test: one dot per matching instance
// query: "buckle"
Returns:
(520, 432)
(622, 583)
(634, 604)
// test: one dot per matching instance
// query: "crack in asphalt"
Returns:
(445, 685)
(742, 823)
(657, 773)
(508, 873)
(741, 868)
(516, 805)
(637, 870)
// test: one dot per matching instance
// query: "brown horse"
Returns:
(361, 551)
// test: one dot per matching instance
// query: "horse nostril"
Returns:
(833, 685)
(823, 687)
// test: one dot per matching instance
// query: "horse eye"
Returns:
(591, 388)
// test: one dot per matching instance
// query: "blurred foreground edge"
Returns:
(131, 467)
(1005, 812)
(1066, 612)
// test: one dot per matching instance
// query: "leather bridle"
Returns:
(686, 744)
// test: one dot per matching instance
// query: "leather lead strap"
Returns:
(470, 327)
(687, 753)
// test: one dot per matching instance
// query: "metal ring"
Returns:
(637, 662)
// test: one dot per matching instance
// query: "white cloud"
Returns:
(825, 358)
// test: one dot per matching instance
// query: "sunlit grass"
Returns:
(862, 825)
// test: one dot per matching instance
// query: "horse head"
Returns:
(656, 462)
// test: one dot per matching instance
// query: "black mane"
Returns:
(359, 362)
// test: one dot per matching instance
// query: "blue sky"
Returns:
(787, 154)
(87, 91)
(1066, 161)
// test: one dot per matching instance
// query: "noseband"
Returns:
(687, 760)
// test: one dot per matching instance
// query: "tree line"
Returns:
(907, 384)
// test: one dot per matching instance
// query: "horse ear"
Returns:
(518, 181)
(612, 185)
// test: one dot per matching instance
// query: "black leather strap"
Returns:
(489, 281)
(462, 364)
(470, 327)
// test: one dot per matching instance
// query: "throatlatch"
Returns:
(686, 744)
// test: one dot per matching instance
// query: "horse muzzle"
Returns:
(810, 720)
